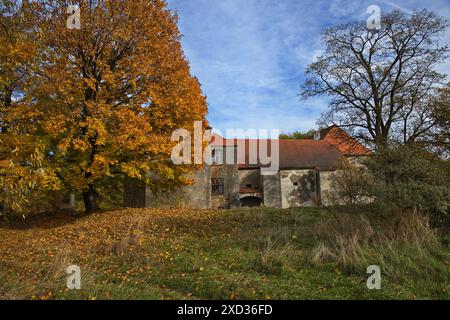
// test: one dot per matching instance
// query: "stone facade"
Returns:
(303, 178)
(299, 188)
(229, 198)
(325, 183)
(272, 190)
(285, 189)
(138, 195)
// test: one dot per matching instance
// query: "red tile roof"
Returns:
(308, 154)
(345, 143)
(321, 154)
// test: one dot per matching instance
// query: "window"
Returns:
(296, 184)
(217, 156)
(249, 186)
(217, 187)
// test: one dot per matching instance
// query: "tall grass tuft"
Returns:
(405, 246)
(273, 257)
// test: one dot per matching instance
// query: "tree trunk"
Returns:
(72, 201)
(90, 200)
(7, 104)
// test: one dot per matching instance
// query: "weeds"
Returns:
(273, 258)
(405, 247)
(238, 254)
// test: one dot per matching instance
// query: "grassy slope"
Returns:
(178, 254)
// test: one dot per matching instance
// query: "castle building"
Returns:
(237, 178)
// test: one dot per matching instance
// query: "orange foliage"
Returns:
(106, 98)
(23, 170)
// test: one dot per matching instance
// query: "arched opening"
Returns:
(251, 202)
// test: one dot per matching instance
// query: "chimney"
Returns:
(317, 136)
(208, 133)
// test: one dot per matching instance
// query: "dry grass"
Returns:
(403, 246)
(247, 254)
(129, 246)
(322, 254)
(34, 254)
(274, 256)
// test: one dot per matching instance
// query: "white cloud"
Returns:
(250, 55)
(344, 8)
(307, 55)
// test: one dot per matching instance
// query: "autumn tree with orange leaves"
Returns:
(24, 171)
(106, 97)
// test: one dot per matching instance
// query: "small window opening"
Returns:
(217, 187)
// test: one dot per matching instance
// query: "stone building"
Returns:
(236, 178)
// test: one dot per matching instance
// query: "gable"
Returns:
(344, 143)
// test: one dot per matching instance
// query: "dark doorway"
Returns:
(251, 202)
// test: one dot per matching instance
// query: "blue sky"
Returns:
(250, 55)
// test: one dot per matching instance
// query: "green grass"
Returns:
(237, 254)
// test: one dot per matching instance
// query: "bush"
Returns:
(351, 185)
(409, 178)
(397, 178)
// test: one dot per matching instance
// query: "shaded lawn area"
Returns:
(188, 254)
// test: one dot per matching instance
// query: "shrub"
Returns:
(410, 178)
(350, 185)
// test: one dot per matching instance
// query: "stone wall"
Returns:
(327, 198)
(286, 189)
(230, 175)
(298, 188)
(134, 194)
(325, 186)
(250, 177)
(272, 190)
(197, 195)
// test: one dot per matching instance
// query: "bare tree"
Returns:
(381, 81)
